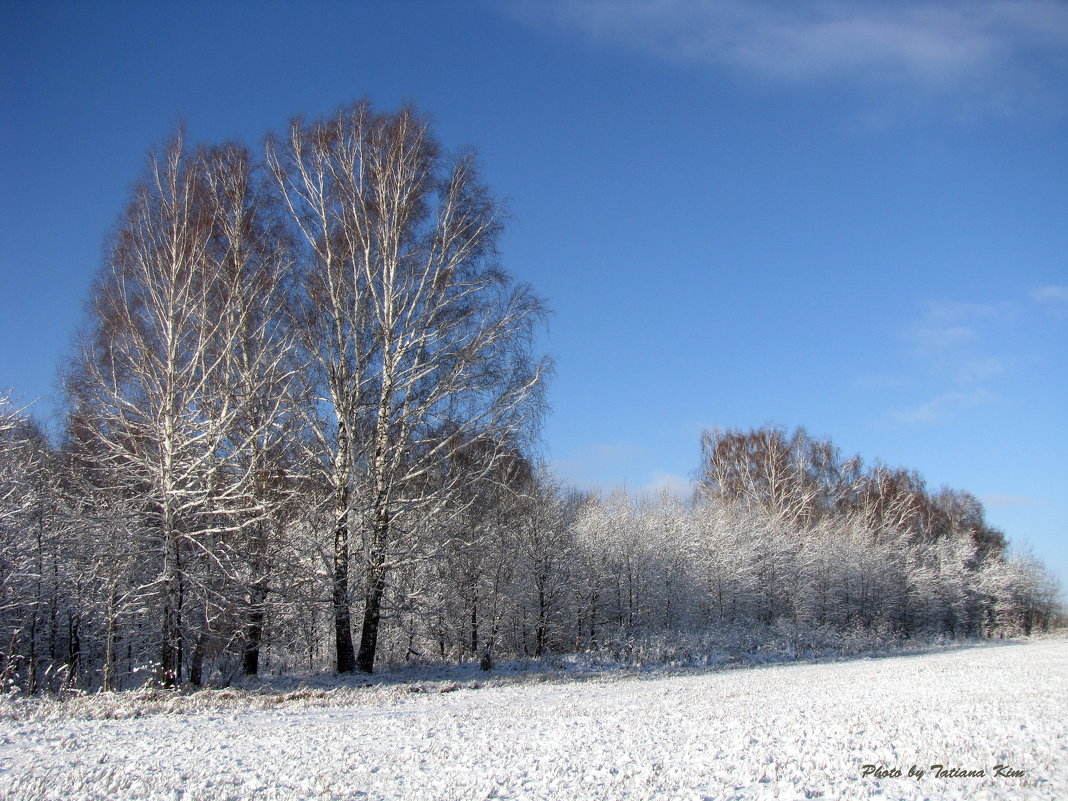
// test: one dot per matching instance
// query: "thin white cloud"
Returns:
(1009, 500)
(622, 465)
(1051, 294)
(938, 409)
(939, 45)
(952, 311)
(598, 464)
(879, 382)
(614, 454)
(671, 482)
(929, 337)
(948, 326)
(963, 352)
(976, 371)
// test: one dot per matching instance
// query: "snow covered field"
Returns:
(790, 731)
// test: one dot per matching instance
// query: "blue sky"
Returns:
(847, 216)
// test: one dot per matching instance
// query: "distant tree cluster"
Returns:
(299, 433)
(783, 541)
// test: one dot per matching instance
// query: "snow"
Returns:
(786, 732)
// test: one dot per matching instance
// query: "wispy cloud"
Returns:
(590, 464)
(936, 45)
(931, 337)
(1051, 295)
(610, 466)
(947, 326)
(976, 371)
(939, 408)
(1009, 500)
(962, 352)
(670, 482)
(879, 382)
(950, 343)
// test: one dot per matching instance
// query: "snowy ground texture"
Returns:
(785, 732)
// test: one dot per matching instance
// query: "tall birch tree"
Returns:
(422, 339)
(251, 257)
(159, 388)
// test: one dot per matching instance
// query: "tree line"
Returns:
(300, 432)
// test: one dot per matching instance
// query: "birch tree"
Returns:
(791, 476)
(153, 384)
(318, 169)
(27, 546)
(251, 258)
(422, 341)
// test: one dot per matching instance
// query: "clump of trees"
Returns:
(299, 435)
(296, 367)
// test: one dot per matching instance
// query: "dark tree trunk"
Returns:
(109, 640)
(346, 659)
(257, 598)
(539, 631)
(74, 652)
(474, 624)
(170, 646)
(372, 615)
(196, 666)
(250, 663)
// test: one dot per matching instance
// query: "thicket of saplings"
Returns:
(297, 434)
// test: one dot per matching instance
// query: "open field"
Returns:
(787, 731)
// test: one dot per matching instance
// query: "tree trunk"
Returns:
(109, 642)
(474, 624)
(539, 631)
(74, 651)
(257, 597)
(170, 646)
(196, 666)
(31, 667)
(375, 548)
(250, 664)
(346, 659)
(372, 614)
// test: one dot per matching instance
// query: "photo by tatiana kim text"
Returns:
(941, 772)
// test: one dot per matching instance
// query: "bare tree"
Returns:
(143, 368)
(251, 257)
(28, 548)
(421, 340)
(314, 167)
(791, 476)
(171, 381)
